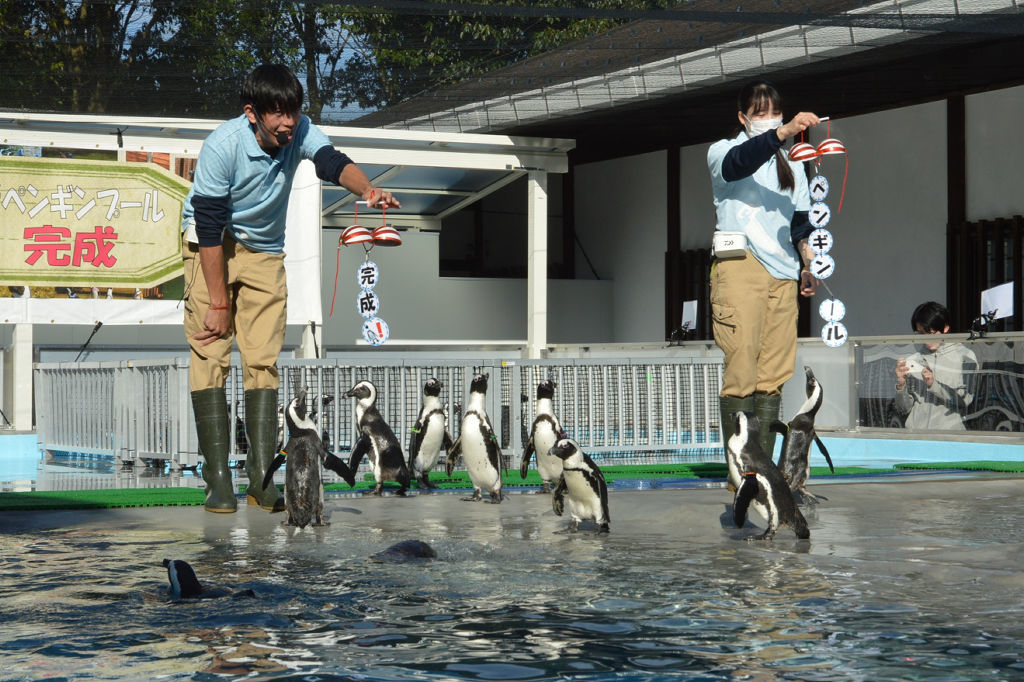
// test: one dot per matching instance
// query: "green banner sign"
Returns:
(76, 223)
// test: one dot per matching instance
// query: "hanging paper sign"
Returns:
(820, 241)
(822, 266)
(818, 187)
(375, 331)
(832, 310)
(834, 334)
(367, 303)
(820, 214)
(367, 275)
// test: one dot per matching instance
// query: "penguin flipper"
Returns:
(527, 454)
(596, 478)
(274, 466)
(821, 446)
(779, 427)
(415, 439)
(744, 496)
(338, 466)
(558, 497)
(362, 447)
(453, 456)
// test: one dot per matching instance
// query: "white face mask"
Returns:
(762, 126)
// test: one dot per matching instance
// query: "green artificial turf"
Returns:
(1001, 467)
(168, 497)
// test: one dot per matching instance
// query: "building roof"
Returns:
(660, 78)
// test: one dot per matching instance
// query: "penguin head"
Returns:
(183, 579)
(432, 387)
(364, 391)
(546, 389)
(564, 448)
(812, 382)
(298, 416)
(479, 384)
(748, 428)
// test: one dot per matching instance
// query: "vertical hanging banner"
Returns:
(73, 224)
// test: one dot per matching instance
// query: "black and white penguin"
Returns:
(185, 585)
(429, 435)
(304, 452)
(377, 441)
(543, 434)
(761, 483)
(582, 484)
(478, 446)
(797, 436)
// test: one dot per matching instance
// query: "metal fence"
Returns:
(620, 412)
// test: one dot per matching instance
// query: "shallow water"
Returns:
(898, 581)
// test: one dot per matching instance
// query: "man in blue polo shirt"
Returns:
(235, 288)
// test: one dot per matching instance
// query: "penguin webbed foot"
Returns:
(545, 488)
(604, 528)
(476, 497)
(496, 498)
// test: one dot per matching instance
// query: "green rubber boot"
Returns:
(211, 411)
(727, 406)
(261, 432)
(766, 408)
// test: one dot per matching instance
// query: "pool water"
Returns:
(913, 580)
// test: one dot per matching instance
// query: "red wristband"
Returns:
(219, 307)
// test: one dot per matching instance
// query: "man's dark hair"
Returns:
(930, 316)
(271, 87)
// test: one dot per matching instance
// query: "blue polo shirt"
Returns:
(231, 164)
(759, 208)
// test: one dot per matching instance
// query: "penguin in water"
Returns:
(406, 550)
(376, 440)
(582, 483)
(478, 446)
(797, 436)
(185, 585)
(429, 435)
(761, 483)
(543, 434)
(303, 485)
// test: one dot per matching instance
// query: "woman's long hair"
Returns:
(758, 96)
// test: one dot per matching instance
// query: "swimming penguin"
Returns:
(545, 431)
(376, 440)
(797, 436)
(429, 435)
(478, 446)
(406, 550)
(582, 483)
(761, 483)
(185, 585)
(303, 485)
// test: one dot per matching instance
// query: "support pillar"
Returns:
(537, 263)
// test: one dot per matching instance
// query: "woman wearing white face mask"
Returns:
(762, 196)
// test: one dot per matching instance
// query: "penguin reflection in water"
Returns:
(761, 484)
(797, 436)
(429, 435)
(478, 446)
(582, 485)
(303, 486)
(545, 432)
(376, 441)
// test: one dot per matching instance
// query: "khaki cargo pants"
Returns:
(257, 293)
(754, 323)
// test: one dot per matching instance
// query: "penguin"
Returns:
(478, 446)
(185, 585)
(761, 483)
(429, 435)
(583, 484)
(377, 440)
(303, 485)
(543, 434)
(797, 436)
(406, 550)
